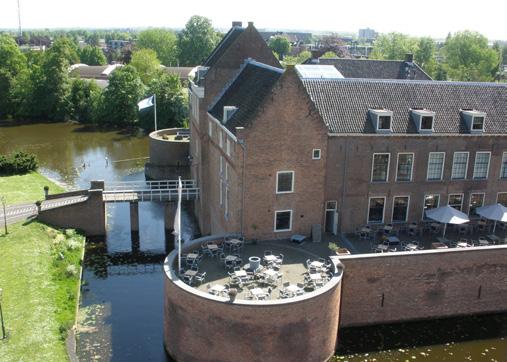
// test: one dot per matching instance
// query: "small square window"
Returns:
(478, 124)
(427, 122)
(316, 154)
(384, 122)
(283, 220)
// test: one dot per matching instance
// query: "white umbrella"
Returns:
(496, 212)
(447, 215)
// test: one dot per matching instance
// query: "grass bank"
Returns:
(26, 188)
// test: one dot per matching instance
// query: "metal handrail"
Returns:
(151, 195)
(143, 185)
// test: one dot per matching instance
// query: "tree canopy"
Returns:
(196, 41)
(92, 55)
(146, 63)
(12, 64)
(393, 46)
(280, 45)
(163, 42)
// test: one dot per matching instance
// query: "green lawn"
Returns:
(39, 276)
(26, 188)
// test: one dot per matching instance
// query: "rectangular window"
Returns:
(400, 208)
(427, 122)
(210, 129)
(501, 198)
(220, 139)
(456, 201)
(430, 202)
(220, 177)
(476, 200)
(283, 220)
(380, 167)
(481, 165)
(478, 124)
(459, 166)
(316, 154)
(384, 122)
(376, 209)
(503, 171)
(284, 182)
(405, 166)
(436, 165)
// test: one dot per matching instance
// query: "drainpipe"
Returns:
(345, 167)
(242, 143)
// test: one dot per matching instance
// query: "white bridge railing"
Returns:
(148, 185)
(150, 195)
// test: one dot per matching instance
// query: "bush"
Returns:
(18, 163)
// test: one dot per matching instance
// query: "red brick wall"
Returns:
(433, 284)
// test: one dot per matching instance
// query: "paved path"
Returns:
(21, 212)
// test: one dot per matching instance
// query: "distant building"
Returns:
(367, 34)
(296, 39)
(118, 44)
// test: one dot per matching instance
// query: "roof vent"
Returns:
(475, 120)
(424, 119)
(228, 113)
(381, 120)
(409, 58)
(238, 24)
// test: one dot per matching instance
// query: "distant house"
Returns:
(367, 34)
(296, 39)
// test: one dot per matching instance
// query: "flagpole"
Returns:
(179, 223)
(155, 109)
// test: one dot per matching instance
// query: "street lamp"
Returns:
(2, 200)
(2, 316)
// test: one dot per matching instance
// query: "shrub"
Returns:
(18, 163)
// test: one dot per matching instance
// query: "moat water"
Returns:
(121, 309)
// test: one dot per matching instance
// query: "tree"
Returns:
(425, 54)
(329, 55)
(196, 41)
(469, 58)
(12, 64)
(118, 105)
(393, 46)
(146, 63)
(92, 39)
(65, 48)
(163, 42)
(83, 100)
(92, 55)
(172, 108)
(280, 45)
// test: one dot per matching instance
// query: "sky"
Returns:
(435, 18)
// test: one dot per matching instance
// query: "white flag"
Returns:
(145, 103)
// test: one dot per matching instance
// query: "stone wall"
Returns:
(168, 152)
(398, 287)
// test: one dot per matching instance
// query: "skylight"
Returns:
(313, 71)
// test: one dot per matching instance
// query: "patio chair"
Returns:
(268, 252)
(200, 277)
(279, 260)
(283, 294)
(194, 267)
(221, 257)
(286, 284)
(187, 279)
(308, 262)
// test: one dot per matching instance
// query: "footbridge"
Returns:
(87, 211)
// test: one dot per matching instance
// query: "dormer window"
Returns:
(228, 113)
(423, 119)
(381, 120)
(474, 119)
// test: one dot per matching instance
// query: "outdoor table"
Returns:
(484, 242)
(365, 229)
(233, 242)
(192, 256)
(217, 289)
(494, 238)
(270, 257)
(212, 247)
(231, 258)
(382, 247)
(387, 227)
(411, 247)
(462, 245)
(293, 288)
(317, 264)
(240, 273)
(256, 292)
(191, 273)
(315, 276)
(270, 273)
(439, 246)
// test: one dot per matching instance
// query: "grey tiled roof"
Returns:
(344, 103)
(247, 91)
(223, 45)
(376, 69)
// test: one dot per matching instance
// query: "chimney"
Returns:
(237, 24)
(250, 24)
(409, 58)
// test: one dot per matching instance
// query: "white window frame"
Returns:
(504, 157)
(466, 167)
(424, 203)
(388, 166)
(221, 139)
(470, 201)
(227, 146)
(428, 167)
(487, 169)
(313, 154)
(383, 211)
(292, 185)
(290, 221)
(210, 128)
(462, 199)
(498, 195)
(483, 122)
(408, 208)
(220, 178)
(398, 162)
